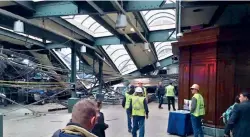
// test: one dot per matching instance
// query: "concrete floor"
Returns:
(16, 124)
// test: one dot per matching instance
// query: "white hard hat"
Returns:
(138, 90)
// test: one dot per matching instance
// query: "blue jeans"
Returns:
(138, 123)
(197, 126)
(129, 121)
(160, 101)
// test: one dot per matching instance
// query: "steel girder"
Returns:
(21, 38)
(145, 28)
(29, 5)
(153, 36)
(73, 28)
(64, 8)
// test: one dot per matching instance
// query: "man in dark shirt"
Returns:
(160, 94)
(239, 121)
(101, 126)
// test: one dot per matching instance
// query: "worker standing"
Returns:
(170, 96)
(139, 110)
(197, 111)
(160, 94)
(145, 93)
(125, 104)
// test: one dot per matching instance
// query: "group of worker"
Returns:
(136, 107)
(88, 121)
(135, 103)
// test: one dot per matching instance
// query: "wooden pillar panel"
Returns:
(203, 73)
(184, 74)
(225, 91)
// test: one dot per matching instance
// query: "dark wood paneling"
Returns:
(184, 92)
(211, 93)
(225, 88)
(184, 72)
(204, 74)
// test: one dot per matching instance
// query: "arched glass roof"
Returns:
(163, 49)
(159, 19)
(121, 58)
(88, 24)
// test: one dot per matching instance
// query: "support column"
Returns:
(100, 76)
(73, 71)
(1, 125)
(178, 16)
(100, 96)
(72, 101)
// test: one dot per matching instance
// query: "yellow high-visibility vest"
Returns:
(200, 107)
(128, 99)
(144, 92)
(138, 106)
(169, 91)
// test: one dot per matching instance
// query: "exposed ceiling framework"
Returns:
(93, 23)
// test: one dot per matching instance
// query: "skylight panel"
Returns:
(160, 19)
(121, 58)
(88, 24)
(163, 49)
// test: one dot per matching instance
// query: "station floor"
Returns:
(16, 124)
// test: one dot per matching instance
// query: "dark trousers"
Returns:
(129, 121)
(138, 123)
(160, 100)
(197, 126)
(171, 100)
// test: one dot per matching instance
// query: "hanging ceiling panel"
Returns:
(121, 58)
(145, 57)
(159, 19)
(88, 24)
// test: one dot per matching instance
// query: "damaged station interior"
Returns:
(55, 53)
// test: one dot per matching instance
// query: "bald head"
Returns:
(85, 113)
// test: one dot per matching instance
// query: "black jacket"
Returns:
(100, 127)
(239, 121)
(161, 91)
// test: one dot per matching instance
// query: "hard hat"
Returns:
(138, 90)
(195, 86)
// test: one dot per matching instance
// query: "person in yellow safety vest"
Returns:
(125, 104)
(139, 110)
(197, 111)
(170, 96)
(145, 93)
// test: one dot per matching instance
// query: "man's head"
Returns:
(85, 113)
(237, 99)
(131, 90)
(244, 96)
(195, 88)
(160, 83)
(138, 91)
(140, 84)
(170, 83)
